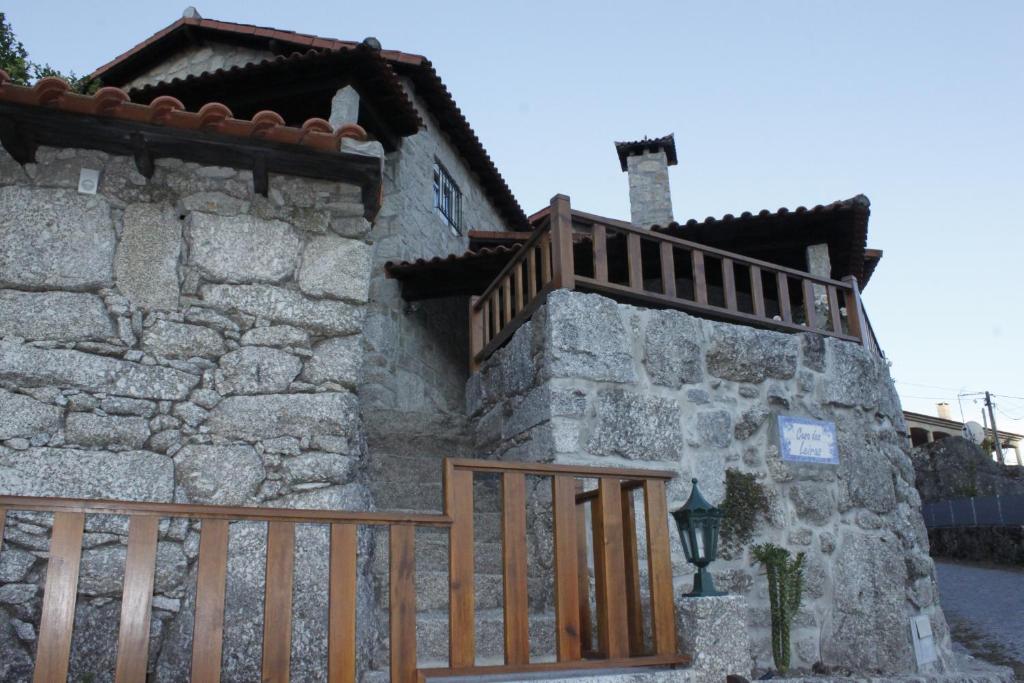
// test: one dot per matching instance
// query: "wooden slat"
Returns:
(136, 600)
(3, 519)
(458, 491)
(513, 551)
(659, 569)
(810, 310)
(341, 605)
(277, 602)
(583, 582)
(785, 310)
(545, 259)
(208, 633)
(833, 310)
(757, 290)
(729, 283)
(477, 336)
(563, 269)
(635, 263)
(631, 553)
(600, 237)
(518, 299)
(531, 272)
(609, 559)
(855, 316)
(668, 270)
(506, 302)
(58, 614)
(700, 282)
(567, 570)
(402, 595)
(496, 312)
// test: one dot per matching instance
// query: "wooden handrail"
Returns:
(504, 305)
(57, 622)
(620, 632)
(620, 628)
(549, 469)
(122, 507)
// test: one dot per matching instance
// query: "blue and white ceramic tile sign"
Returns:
(804, 440)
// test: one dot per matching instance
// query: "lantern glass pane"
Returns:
(698, 528)
(687, 550)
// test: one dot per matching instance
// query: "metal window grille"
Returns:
(447, 198)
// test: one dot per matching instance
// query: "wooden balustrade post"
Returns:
(600, 237)
(53, 646)
(700, 282)
(514, 570)
(583, 584)
(277, 602)
(729, 283)
(659, 568)
(634, 262)
(208, 631)
(631, 550)
(458, 504)
(567, 569)
(341, 605)
(476, 333)
(757, 291)
(785, 307)
(855, 314)
(136, 600)
(668, 269)
(563, 268)
(402, 607)
(609, 562)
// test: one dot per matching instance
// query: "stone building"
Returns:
(286, 274)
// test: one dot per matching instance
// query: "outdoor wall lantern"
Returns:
(698, 523)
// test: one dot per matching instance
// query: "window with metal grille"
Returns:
(447, 198)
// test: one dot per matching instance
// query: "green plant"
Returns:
(785, 590)
(745, 500)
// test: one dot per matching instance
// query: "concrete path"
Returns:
(985, 610)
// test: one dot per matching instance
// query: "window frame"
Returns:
(447, 198)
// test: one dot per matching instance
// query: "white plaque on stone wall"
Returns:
(924, 639)
(805, 440)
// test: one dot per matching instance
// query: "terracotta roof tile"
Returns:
(168, 111)
(418, 68)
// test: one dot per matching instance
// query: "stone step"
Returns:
(432, 554)
(432, 635)
(432, 591)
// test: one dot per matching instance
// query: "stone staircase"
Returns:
(406, 476)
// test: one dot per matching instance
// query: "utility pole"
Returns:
(995, 431)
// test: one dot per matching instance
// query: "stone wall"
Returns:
(176, 339)
(417, 351)
(595, 382)
(196, 59)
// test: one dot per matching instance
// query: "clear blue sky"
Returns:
(919, 105)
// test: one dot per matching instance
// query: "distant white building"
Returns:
(927, 428)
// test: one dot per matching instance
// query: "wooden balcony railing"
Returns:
(654, 269)
(58, 611)
(615, 552)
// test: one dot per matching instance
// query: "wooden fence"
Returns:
(657, 270)
(619, 637)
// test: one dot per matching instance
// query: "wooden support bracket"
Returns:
(143, 155)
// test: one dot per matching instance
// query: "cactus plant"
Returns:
(785, 591)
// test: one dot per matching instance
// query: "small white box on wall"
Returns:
(88, 181)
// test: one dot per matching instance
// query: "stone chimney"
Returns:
(647, 161)
(944, 411)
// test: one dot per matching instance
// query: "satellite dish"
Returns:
(974, 432)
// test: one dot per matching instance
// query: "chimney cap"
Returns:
(666, 143)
